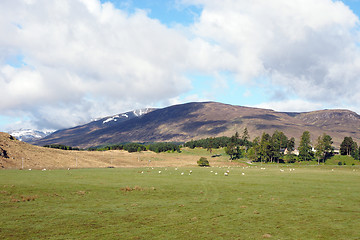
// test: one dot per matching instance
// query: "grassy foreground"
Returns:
(141, 203)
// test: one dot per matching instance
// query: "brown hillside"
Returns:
(210, 119)
(20, 155)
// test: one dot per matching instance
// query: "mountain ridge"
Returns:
(196, 120)
(29, 135)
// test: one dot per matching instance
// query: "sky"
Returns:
(65, 62)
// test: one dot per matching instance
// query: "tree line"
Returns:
(277, 147)
(267, 148)
(62, 147)
(138, 147)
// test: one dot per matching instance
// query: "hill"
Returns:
(15, 154)
(209, 119)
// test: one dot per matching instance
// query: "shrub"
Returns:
(339, 163)
(290, 158)
(203, 162)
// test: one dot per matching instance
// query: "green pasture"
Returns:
(310, 202)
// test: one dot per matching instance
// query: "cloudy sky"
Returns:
(64, 62)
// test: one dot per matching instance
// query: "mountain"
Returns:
(75, 134)
(207, 119)
(29, 135)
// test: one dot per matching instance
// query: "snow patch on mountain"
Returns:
(136, 113)
(113, 118)
(28, 135)
(140, 112)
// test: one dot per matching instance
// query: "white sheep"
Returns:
(226, 174)
(243, 174)
(281, 170)
(182, 173)
(159, 172)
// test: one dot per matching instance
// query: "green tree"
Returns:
(234, 151)
(210, 145)
(349, 147)
(290, 145)
(324, 148)
(355, 151)
(278, 143)
(203, 162)
(253, 152)
(265, 148)
(235, 138)
(246, 139)
(305, 148)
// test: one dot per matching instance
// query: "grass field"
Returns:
(314, 202)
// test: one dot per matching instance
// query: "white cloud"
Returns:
(308, 48)
(84, 59)
(77, 53)
(291, 106)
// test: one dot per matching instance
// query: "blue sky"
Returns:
(97, 58)
(169, 12)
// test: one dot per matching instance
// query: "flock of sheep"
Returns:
(215, 172)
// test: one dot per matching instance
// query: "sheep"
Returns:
(159, 172)
(182, 173)
(216, 173)
(226, 174)
(281, 170)
(243, 174)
